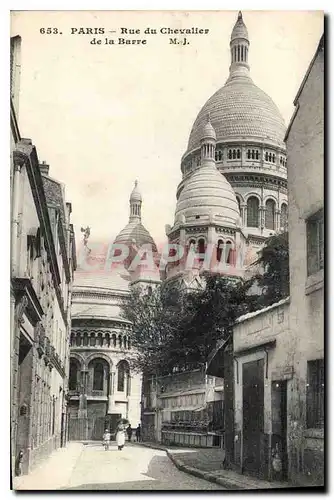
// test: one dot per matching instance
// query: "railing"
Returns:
(192, 439)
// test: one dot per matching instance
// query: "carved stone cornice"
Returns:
(225, 230)
(197, 229)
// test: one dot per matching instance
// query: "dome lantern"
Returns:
(135, 204)
(239, 46)
(208, 143)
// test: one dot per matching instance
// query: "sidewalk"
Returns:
(54, 473)
(207, 463)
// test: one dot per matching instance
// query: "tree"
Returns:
(275, 279)
(176, 328)
(155, 318)
(209, 314)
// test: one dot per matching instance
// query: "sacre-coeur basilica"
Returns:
(232, 195)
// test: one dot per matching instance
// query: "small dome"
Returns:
(135, 195)
(239, 30)
(208, 130)
(135, 232)
(208, 193)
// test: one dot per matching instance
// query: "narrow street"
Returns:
(133, 468)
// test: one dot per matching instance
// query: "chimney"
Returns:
(44, 168)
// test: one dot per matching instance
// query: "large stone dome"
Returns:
(207, 193)
(240, 110)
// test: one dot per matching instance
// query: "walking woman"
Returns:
(120, 437)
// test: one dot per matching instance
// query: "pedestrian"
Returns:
(129, 432)
(106, 439)
(138, 432)
(120, 437)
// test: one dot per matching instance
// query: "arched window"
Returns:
(270, 157)
(78, 340)
(124, 342)
(252, 212)
(120, 341)
(99, 340)
(228, 252)
(98, 376)
(149, 290)
(270, 214)
(114, 340)
(284, 216)
(107, 340)
(257, 154)
(216, 155)
(234, 154)
(274, 158)
(230, 154)
(220, 155)
(122, 373)
(73, 382)
(220, 246)
(249, 154)
(266, 156)
(201, 248)
(253, 154)
(92, 340)
(238, 153)
(85, 339)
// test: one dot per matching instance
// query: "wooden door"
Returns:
(253, 405)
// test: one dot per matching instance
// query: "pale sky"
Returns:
(105, 115)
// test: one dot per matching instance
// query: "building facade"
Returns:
(42, 266)
(278, 352)
(103, 386)
(305, 149)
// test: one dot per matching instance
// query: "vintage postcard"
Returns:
(167, 250)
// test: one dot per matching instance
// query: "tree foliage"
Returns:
(274, 261)
(178, 328)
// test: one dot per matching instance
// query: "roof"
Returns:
(134, 231)
(251, 315)
(240, 109)
(54, 195)
(239, 30)
(113, 280)
(302, 85)
(207, 193)
(320, 48)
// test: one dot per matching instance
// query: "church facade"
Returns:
(232, 196)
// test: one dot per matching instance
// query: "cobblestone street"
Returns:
(90, 467)
(133, 468)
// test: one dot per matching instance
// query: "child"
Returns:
(106, 439)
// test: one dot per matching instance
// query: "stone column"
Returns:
(262, 214)
(82, 413)
(111, 395)
(277, 221)
(243, 213)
